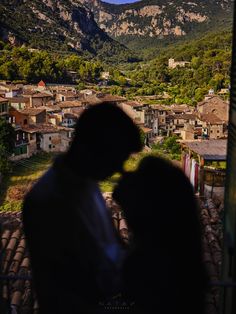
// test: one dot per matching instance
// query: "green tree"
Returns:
(171, 145)
(7, 137)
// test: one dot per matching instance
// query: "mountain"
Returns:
(147, 21)
(57, 25)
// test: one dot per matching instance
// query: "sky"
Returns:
(120, 1)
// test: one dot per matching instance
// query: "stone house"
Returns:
(54, 138)
(38, 99)
(212, 126)
(33, 139)
(27, 116)
(172, 64)
(160, 120)
(214, 105)
(68, 106)
(19, 103)
(188, 132)
(134, 110)
(4, 107)
(180, 109)
(69, 120)
(21, 150)
(66, 96)
(10, 90)
(177, 122)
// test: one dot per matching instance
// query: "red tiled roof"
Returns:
(32, 111)
(41, 83)
(19, 293)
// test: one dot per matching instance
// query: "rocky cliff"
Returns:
(159, 18)
(59, 25)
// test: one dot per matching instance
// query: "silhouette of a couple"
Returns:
(79, 262)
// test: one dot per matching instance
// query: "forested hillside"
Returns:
(57, 25)
(32, 66)
(210, 61)
(209, 67)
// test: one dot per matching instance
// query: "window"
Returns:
(25, 121)
(17, 137)
(50, 146)
(23, 134)
(49, 138)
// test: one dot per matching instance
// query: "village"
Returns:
(44, 116)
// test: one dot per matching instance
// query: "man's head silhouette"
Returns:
(104, 138)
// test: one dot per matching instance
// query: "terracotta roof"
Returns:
(70, 116)
(41, 83)
(30, 128)
(31, 111)
(209, 149)
(3, 99)
(184, 116)
(160, 107)
(210, 118)
(15, 261)
(18, 100)
(211, 219)
(28, 92)
(19, 294)
(70, 104)
(77, 111)
(92, 100)
(213, 99)
(39, 95)
(50, 108)
(133, 103)
(42, 128)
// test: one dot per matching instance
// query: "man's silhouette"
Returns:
(74, 249)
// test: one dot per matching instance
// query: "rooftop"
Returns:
(209, 149)
(70, 104)
(18, 100)
(32, 111)
(19, 295)
(3, 99)
(210, 118)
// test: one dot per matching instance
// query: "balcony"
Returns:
(16, 281)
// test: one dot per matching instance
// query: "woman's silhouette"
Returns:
(164, 272)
